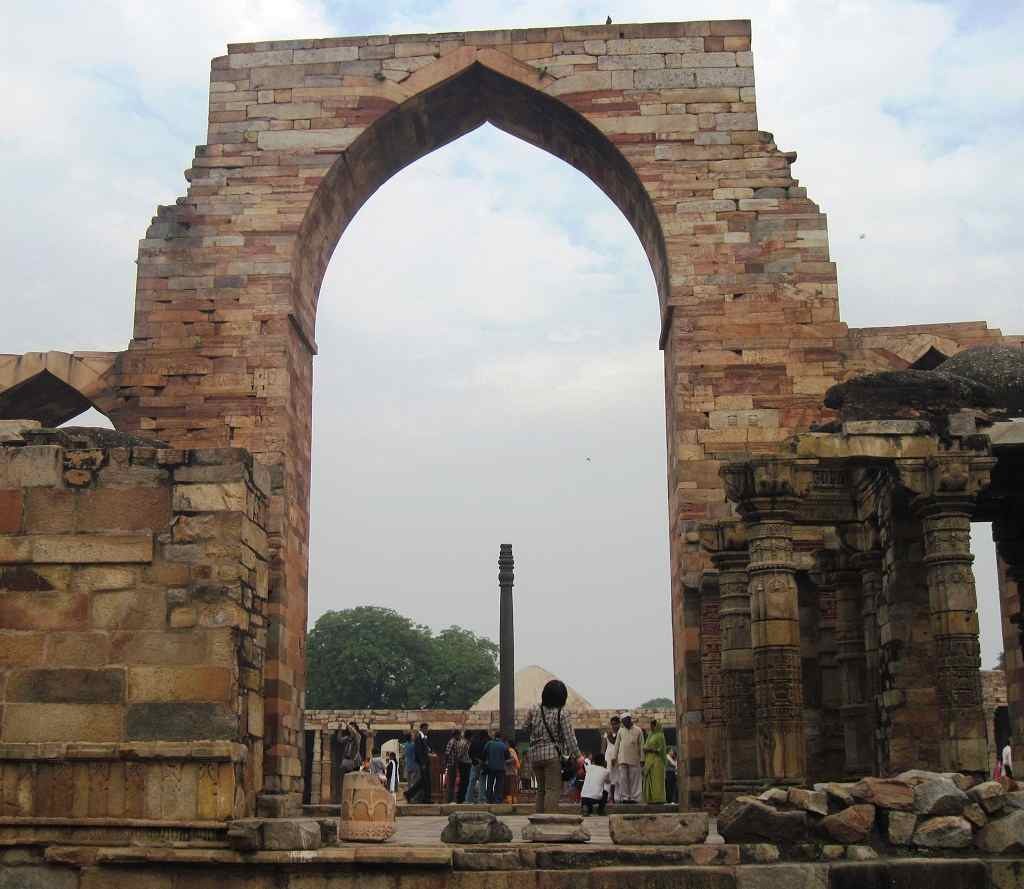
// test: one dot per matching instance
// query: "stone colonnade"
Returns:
(848, 609)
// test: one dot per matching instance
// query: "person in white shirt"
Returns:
(1008, 760)
(630, 756)
(595, 786)
(609, 749)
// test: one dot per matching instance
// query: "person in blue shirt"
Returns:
(412, 768)
(495, 756)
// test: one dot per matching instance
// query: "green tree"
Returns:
(463, 667)
(377, 658)
(658, 704)
(366, 657)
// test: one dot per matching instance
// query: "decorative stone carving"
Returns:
(367, 809)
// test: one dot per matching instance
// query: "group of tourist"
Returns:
(632, 765)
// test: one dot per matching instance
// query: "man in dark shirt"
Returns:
(495, 754)
(474, 789)
(420, 791)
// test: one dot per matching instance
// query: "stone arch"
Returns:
(54, 387)
(445, 101)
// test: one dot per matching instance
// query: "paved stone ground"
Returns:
(425, 830)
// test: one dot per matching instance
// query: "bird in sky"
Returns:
(588, 459)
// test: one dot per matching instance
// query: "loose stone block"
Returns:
(367, 809)
(791, 876)
(852, 825)
(939, 796)
(746, 819)
(684, 829)
(886, 793)
(555, 829)
(291, 834)
(944, 832)
(469, 828)
(1002, 835)
(900, 827)
(809, 800)
(990, 795)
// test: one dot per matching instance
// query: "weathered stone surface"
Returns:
(683, 829)
(886, 793)
(758, 853)
(555, 829)
(468, 828)
(790, 876)
(1014, 799)
(1001, 368)
(990, 795)
(43, 877)
(837, 791)
(66, 686)
(860, 853)
(943, 832)
(245, 835)
(180, 721)
(746, 819)
(815, 801)
(1002, 835)
(851, 825)
(774, 796)
(291, 834)
(975, 814)
(900, 827)
(939, 796)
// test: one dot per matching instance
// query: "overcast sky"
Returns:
(488, 367)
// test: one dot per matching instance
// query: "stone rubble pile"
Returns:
(914, 810)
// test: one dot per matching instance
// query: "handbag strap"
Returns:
(547, 727)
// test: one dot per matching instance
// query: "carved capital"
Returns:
(949, 481)
(728, 535)
(768, 483)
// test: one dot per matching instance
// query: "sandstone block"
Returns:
(944, 832)
(774, 796)
(656, 44)
(326, 54)
(225, 496)
(180, 721)
(1002, 835)
(758, 853)
(837, 792)
(475, 827)
(669, 78)
(976, 815)
(34, 723)
(580, 82)
(10, 511)
(851, 825)
(724, 77)
(641, 61)
(683, 829)
(289, 140)
(19, 648)
(886, 793)
(990, 795)
(31, 466)
(245, 835)
(166, 683)
(555, 829)
(291, 834)
(66, 686)
(809, 800)
(900, 827)
(939, 796)
(123, 509)
(93, 548)
(746, 819)
(791, 876)
(860, 853)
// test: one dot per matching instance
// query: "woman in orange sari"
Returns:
(512, 765)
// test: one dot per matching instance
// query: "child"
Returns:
(595, 786)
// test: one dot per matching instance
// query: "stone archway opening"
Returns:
(617, 499)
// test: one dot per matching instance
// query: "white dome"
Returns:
(529, 683)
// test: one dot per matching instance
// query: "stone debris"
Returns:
(683, 829)
(886, 793)
(939, 796)
(470, 828)
(815, 801)
(990, 795)
(900, 827)
(556, 829)
(747, 819)
(1002, 835)
(944, 832)
(860, 853)
(837, 793)
(291, 834)
(852, 825)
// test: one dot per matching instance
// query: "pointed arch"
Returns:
(446, 100)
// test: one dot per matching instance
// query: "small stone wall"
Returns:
(133, 585)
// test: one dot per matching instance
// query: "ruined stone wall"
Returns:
(133, 583)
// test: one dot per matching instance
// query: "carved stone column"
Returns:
(765, 493)
(1008, 532)
(315, 769)
(945, 508)
(727, 544)
(826, 577)
(853, 617)
(711, 682)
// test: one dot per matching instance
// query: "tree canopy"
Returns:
(658, 704)
(376, 658)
